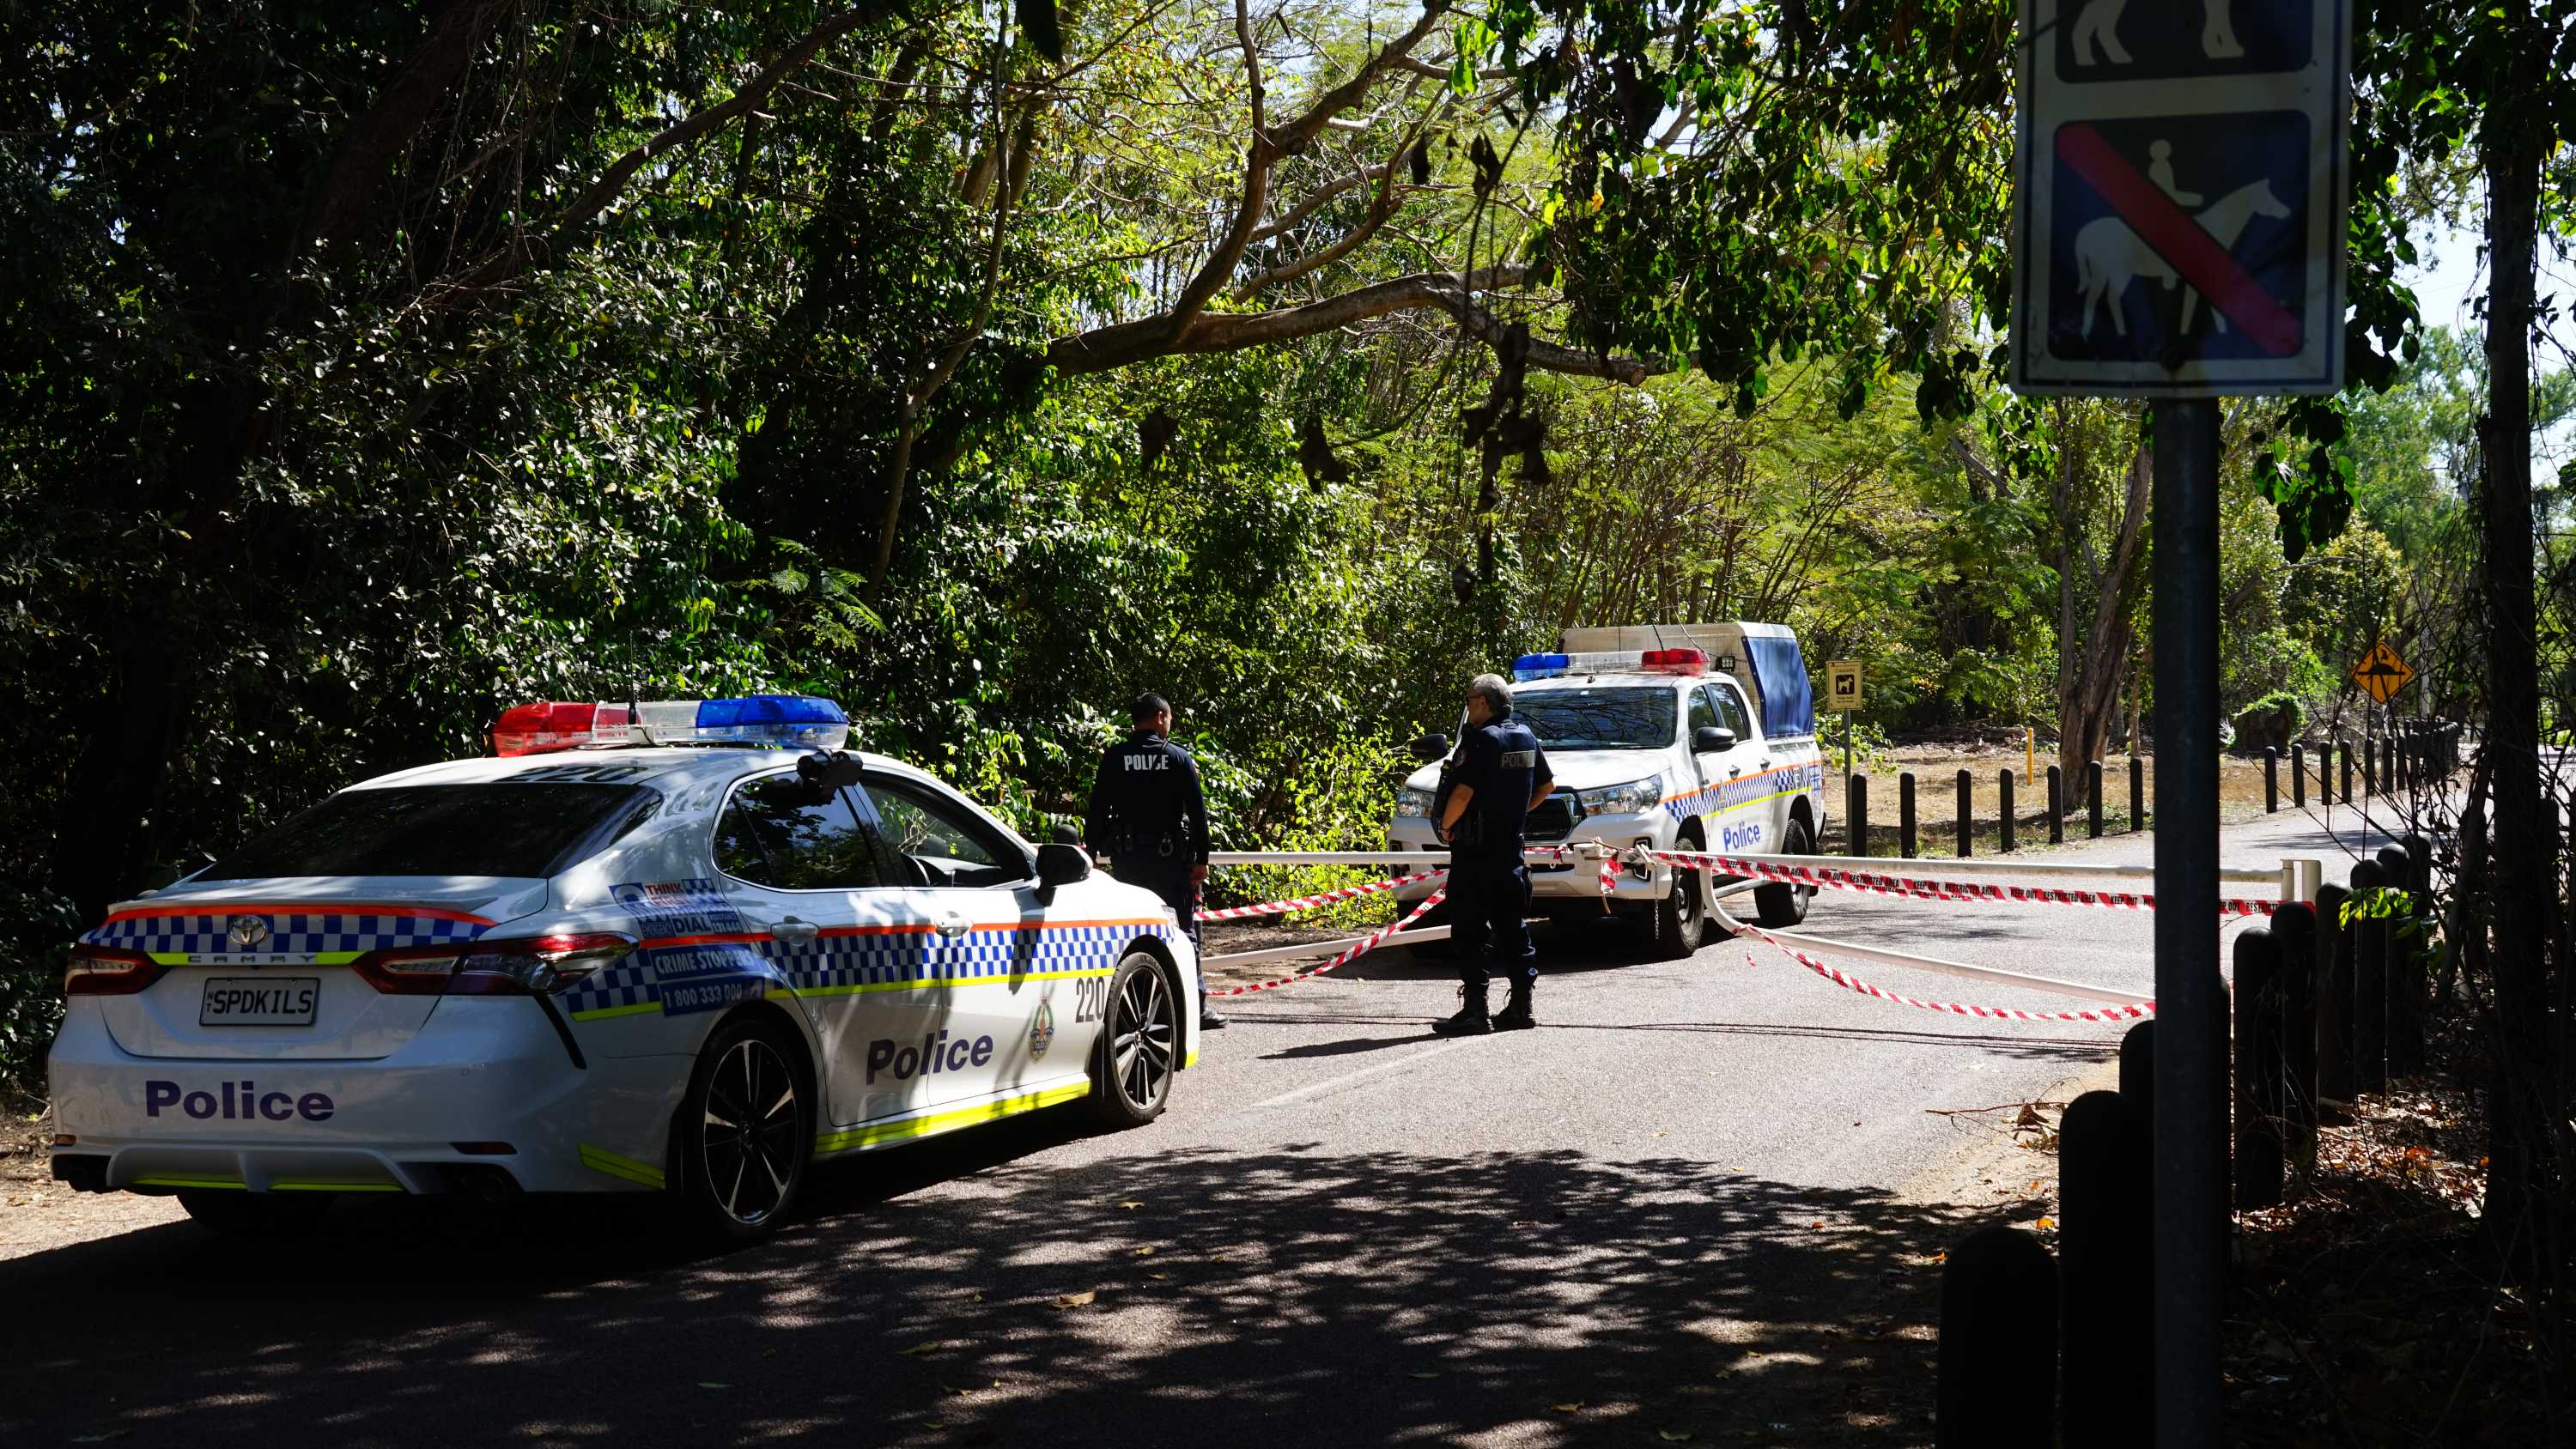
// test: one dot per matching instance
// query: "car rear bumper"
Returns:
(432, 1117)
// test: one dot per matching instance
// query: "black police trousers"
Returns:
(1489, 901)
(1167, 876)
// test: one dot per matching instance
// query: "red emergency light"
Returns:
(1674, 661)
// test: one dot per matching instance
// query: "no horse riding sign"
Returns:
(2178, 211)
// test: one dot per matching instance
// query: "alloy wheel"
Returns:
(748, 1131)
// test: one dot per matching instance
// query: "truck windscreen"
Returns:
(1629, 718)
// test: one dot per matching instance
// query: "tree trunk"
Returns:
(2090, 689)
(2517, 1177)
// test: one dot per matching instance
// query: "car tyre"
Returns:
(1139, 1046)
(1679, 922)
(1784, 904)
(746, 1132)
(255, 1214)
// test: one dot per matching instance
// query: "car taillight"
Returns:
(520, 967)
(108, 971)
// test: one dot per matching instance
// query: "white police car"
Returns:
(1677, 737)
(644, 949)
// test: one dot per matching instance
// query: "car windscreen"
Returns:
(534, 829)
(1599, 719)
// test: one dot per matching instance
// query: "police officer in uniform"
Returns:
(1148, 816)
(1501, 775)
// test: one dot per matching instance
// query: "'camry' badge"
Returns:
(248, 932)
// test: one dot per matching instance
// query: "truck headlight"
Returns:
(1413, 802)
(1628, 799)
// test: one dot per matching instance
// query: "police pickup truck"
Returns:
(1673, 737)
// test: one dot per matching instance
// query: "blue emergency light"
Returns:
(779, 721)
(1540, 666)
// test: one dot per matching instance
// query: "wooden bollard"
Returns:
(2271, 779)
(2369, 984)
(2057, 804)
(2334, 997)
(1998, 1340)
(2259, 1070)
(1856, 816)
(2004, 792)
(2093, 799)
(2346, 792)
(2138, 1066)
(2106, 1268)
(2406, 1038)
(2294, 933)
(2404, 951)
(2298, 776)
(1967, 817)
(2137, 793)
(1905, 831)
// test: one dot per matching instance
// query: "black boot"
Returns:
(1471, 1019)
(1515, 1015)
(1210, 1019)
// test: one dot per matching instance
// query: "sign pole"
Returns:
(2191, 1002)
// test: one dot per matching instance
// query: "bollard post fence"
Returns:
(2057, 804)
(2294, 937)
(2106, 1269)
(2404, 971)
(2334, 997)
(2271, 779)
(2298, 776)
(2345, 794)
(1998, 1318)
(2137, 794)
(2004, 789)
(2259, 1071)
(1856, 816)
(2138, 1066)
(1967, 819)
(1905, 834)
(2093, 799)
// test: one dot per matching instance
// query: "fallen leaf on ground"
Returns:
(1131, 1204)
(1077, 1300)
(1673, 1436)
(2045, 1224)
(1158, 1275)
(1145, 1252)
(934, 1346)
(1426, 1376)
(1570, 1408)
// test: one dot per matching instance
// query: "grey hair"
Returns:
(1494, 690)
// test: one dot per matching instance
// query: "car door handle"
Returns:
(793, 932)
(950, 924)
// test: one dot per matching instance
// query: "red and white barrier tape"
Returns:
(1938, 890)
(1308, 903)
(2134, 1011)
(1357, 949)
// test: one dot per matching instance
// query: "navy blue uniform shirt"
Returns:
(1500, 760)
(1146, 801)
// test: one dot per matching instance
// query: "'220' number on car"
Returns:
(1090, 998)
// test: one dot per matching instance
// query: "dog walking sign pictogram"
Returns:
(2179, 197)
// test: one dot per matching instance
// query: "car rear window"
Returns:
(533, 829)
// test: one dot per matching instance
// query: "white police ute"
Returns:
(685, 947)
(1690, 737)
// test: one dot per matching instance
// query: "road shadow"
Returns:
(958, 1294)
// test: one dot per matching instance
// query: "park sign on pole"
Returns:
(1842, 684)
(2178, 226)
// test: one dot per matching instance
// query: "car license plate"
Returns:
(260, 1001)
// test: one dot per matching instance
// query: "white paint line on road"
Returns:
(1347, 1078)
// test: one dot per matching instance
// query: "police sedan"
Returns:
(679, 947)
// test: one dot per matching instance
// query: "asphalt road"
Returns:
(1676, 1210)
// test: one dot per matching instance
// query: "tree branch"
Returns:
(359, 163)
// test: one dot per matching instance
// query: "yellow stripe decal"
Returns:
(600, 1159)
(638, 1009)
(937, 1122)
(335, 1187)
(869, 986)
(1191, 1060)
(224, 1182)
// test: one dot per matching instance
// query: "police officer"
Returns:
(1501, 775)
(1148, 817)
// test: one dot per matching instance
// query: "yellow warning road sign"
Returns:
(1842, 684)
(2381, 673)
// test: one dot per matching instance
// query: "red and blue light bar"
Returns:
(1611, 661)
(776, 721)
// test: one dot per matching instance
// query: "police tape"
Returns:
(2134, 1011)
(1357, 949)
(1933, 890)
(1326, 898)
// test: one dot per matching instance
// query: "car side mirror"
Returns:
(1060, 864)
(829, 770)
(1430, 748)
(1712, 740)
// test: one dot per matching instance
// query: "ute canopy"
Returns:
(1762, 657)
(1780, 681)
